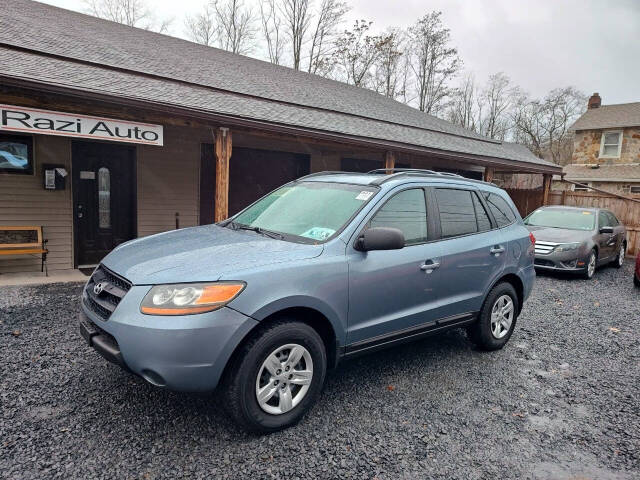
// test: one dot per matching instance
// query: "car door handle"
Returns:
(429, 266)
(498, 249)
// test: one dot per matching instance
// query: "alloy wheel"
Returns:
(284, 379)
(591, 268)
(502, 314)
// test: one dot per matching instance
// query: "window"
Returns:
(634, 189)
(580, 188)
(603, 220)
(16, 154)
(611, 144)
(457, 213)
(104, 198)
(482, 218)
(613, 221)
(407, 212)
(558, 217)
(501, 210)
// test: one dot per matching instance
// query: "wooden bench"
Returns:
(12, 244)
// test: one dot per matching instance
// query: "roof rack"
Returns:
(398, 172)
(327, 172)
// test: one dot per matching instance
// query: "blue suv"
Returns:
(326, 267)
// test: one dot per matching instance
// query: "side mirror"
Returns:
(380, 238)
(606, 229)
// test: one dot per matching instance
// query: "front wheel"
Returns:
(497, 318)
(591, 265)
(275, 377)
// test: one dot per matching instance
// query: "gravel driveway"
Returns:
(561, 400)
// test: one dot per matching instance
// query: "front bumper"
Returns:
(187, 353)
(566, 262)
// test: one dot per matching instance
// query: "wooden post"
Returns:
(546, 187)
(488, 174)
(223, 146)
(389, 161)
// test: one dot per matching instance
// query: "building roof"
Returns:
(609, 116)
(45, 45)
(604, 173)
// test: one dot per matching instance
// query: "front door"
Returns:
(103, 198)
(393, 293)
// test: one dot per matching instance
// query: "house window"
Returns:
(580, 188)
(635, 189)
(611, 144)
(16, 154)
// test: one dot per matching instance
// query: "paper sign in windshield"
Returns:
(364, 195)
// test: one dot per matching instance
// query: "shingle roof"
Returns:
(84, 53)
(609, 116)
(622, 173)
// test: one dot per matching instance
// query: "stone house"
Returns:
(606, 148)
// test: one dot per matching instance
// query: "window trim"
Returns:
(29, 141)
(602, 144)
(376, 208)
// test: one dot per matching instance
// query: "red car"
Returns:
(636, 276)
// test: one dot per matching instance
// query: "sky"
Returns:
(593, 45)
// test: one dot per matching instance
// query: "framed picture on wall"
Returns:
(16, 154)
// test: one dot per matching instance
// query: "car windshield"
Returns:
(313, 211)
(558, 218)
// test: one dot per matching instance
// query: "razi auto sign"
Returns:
(29, 120)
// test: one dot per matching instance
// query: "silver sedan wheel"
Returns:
(591, 268)
(621, 255)
(502, 314)
(284, 379)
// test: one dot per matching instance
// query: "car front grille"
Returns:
(544, 248)
(104, 291)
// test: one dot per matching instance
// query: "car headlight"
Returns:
(567, 247)
(189, 298)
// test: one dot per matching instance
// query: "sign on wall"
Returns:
(47, 122)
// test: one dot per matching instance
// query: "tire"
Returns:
(588, 272)
(482, 332)
(240, 384)
(619, 260)
(636, 280)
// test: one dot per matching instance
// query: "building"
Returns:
(606, 148)
(110, 132)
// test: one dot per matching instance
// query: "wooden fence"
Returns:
(627, 210)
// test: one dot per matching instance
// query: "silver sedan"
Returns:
(576, 239)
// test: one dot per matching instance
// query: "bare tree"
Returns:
(202, 27)
(272, 27)
(330, 15)
(434, 62)
(463, 109)
(388, 65)
(356, 51)
(543, 125)
(235, 22)
(135, 13)
(495, 103)
(297, 17)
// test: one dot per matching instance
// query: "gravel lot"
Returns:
(561, 400)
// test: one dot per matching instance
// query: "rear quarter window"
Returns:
(500, 209)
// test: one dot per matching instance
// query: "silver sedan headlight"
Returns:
(567, 247)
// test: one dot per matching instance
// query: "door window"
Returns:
(104, 198)
(501, 210)
(407, 212)
(603, 220)
(613, 221)
(457, 213)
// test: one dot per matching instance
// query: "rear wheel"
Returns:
(590, 269)
(497, 318)
(275, 377)
(619, 260)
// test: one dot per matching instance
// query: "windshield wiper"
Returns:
(261, 231)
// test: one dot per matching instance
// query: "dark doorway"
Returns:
(207, 183)
(364, 165)
(103, 198)
(252, 174)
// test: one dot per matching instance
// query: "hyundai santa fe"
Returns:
(326, 267)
